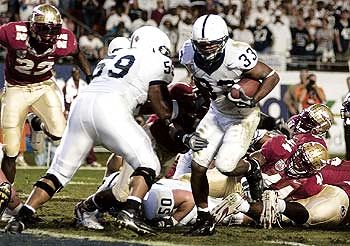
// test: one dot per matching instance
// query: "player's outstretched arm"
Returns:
(84, 64)
(269, 78)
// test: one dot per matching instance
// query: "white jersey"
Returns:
(130, 73)
(219, 77)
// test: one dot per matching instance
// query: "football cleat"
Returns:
(5, 196)
(22, 220)
(15, 225)
(204, 226)
(255, 180)
(7, 215)
(85, 218)
(130, 219)
(269, 214)
(227, 207)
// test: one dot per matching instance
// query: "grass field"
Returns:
(58, 223)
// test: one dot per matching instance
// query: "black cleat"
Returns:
(204, 226)
(255, 180)
(15, 225)
(22, 220)
(129, 218)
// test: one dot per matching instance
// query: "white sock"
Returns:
(203, 209)
(30, 207)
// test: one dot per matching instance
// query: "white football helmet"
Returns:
(117, 44)
(209, 35)
(149, 37)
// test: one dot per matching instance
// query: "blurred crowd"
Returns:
(315, 29)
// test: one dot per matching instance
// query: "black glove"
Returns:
(243, 101)
(194, 141)
(88, 78)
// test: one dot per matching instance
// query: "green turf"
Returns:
(58, 218)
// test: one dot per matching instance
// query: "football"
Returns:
(249, 86)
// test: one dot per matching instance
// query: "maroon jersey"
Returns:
(337, 173)
(279, 147)
(276, 151)
(23, 65)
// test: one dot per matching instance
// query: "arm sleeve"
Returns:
(3, 35)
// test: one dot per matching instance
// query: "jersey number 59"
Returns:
(121, 67)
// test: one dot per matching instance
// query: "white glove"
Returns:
(269, 213)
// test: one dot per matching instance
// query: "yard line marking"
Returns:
(288, 243)
(40, 232)
(83, 183)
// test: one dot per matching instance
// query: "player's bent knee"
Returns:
(47, 187)
(147, 173)
(227, 166)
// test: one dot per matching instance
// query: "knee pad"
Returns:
(46, 187)
(147, 173)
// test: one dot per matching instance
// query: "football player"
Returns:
(288, 179)
(216, 63)
(103, 113)
(32, 48)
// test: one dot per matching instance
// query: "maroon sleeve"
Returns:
(274, 149)
(66, 43)
(3, 35)
(334, 174)
(309, 187)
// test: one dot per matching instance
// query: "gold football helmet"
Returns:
(45, 24)
(308, 158)
(317, 118)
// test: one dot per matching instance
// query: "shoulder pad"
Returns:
(160, 67)
(67, 42)
(186, 53)
(240, 55)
